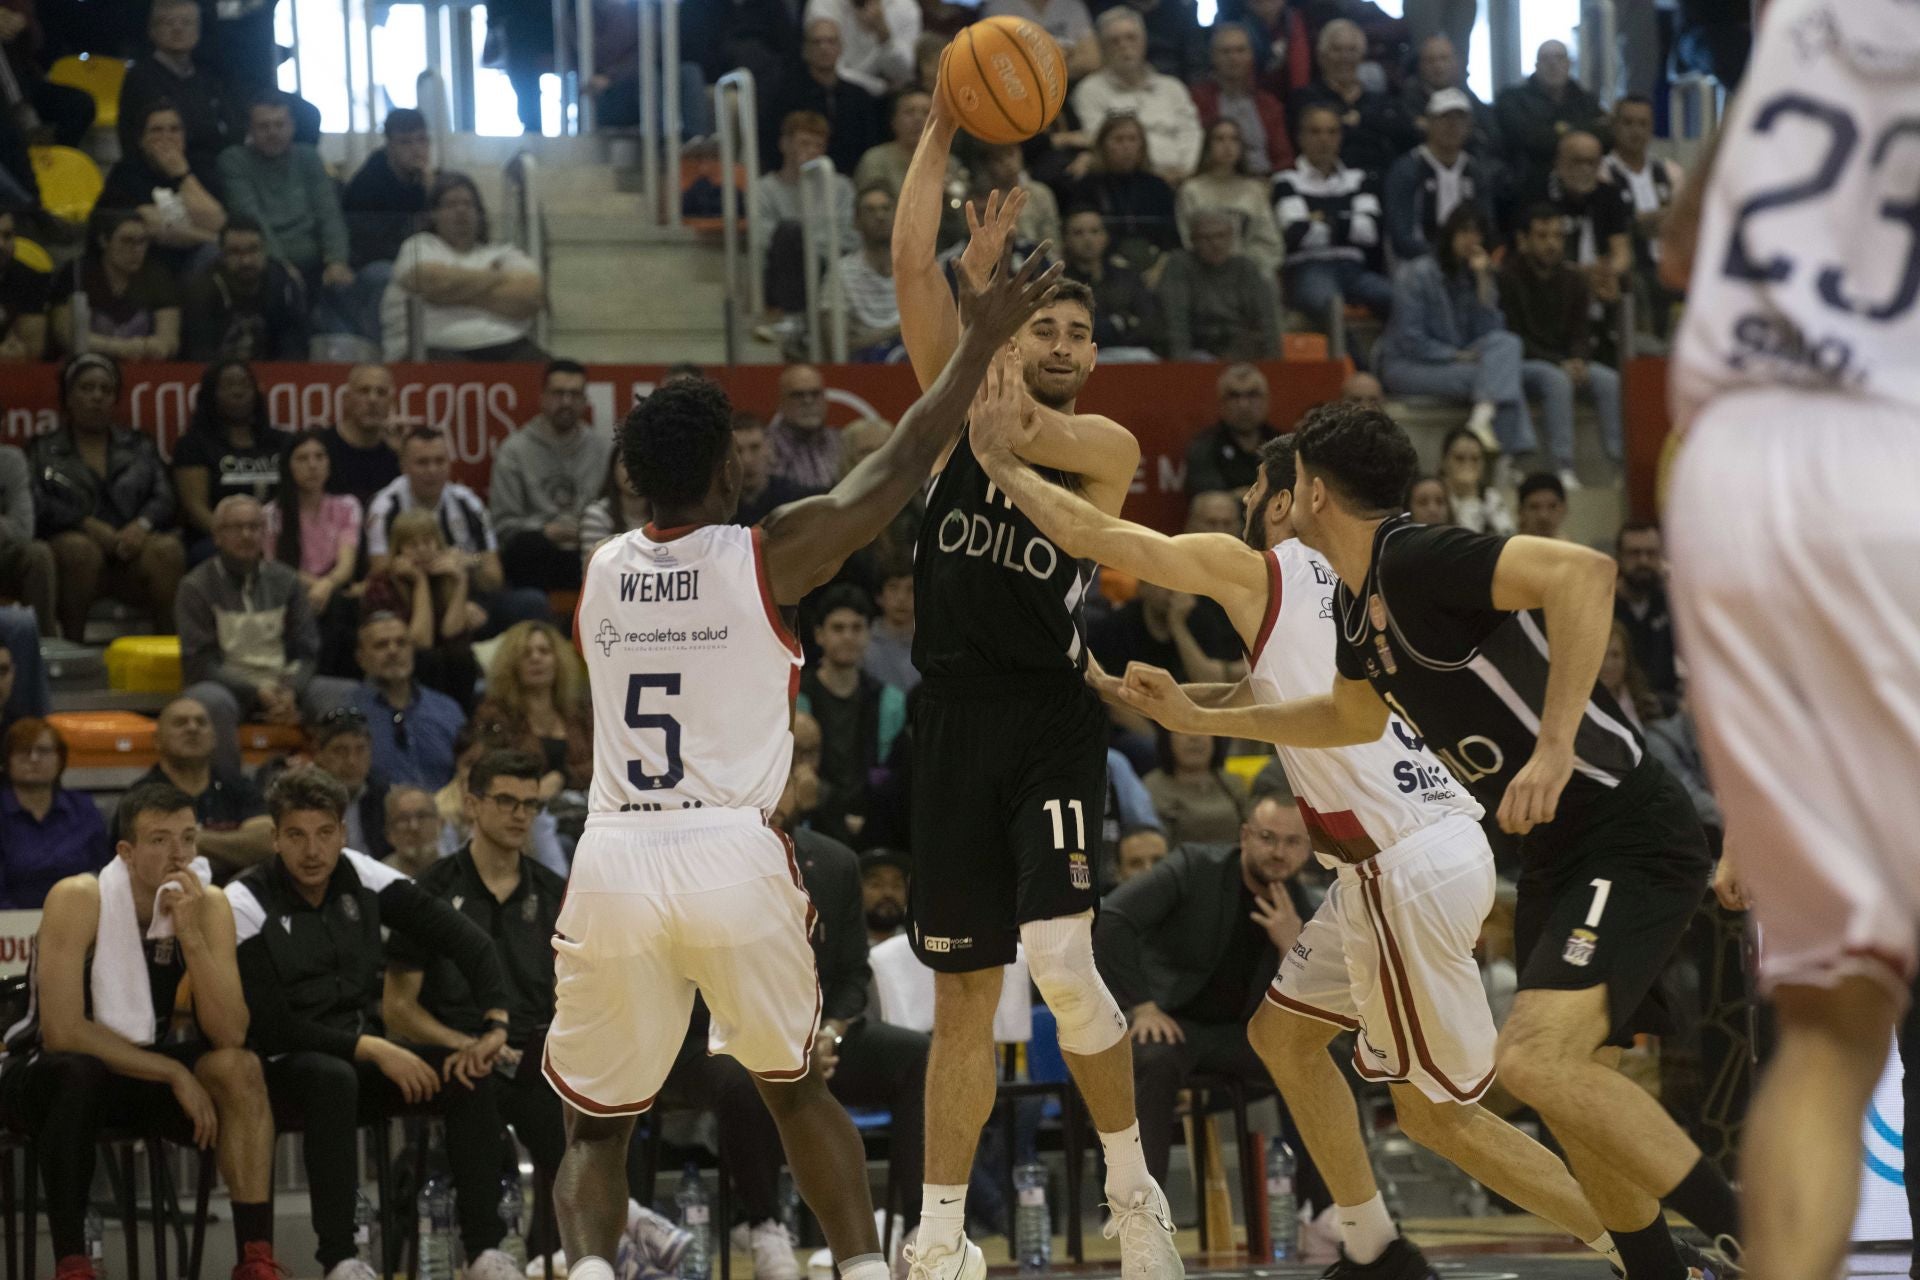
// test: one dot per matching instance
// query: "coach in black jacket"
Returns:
(309, 923)
(1188, 949)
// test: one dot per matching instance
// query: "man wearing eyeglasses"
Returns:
(412, 727)
(805, 449)
(413, 825)
(430, 1000)
(1227, 454)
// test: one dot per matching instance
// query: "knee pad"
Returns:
(1060, 958)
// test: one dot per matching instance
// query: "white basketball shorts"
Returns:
(659, 906)
(1795, 536)
(1390, 955)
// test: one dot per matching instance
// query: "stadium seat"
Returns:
(70, 181)
(98, 76)
(106, 739)
(29, 254)
(144, 664)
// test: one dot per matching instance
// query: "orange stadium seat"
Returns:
(106, 739)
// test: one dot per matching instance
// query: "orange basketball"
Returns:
(1004, 78)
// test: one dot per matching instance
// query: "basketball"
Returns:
(1004, 78)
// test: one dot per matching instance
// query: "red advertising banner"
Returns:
(479, 404)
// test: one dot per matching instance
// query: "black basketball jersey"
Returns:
(991, 594)
(166, 966)
(1468, 678)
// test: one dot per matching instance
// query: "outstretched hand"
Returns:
(994, 308)
(990, 235)
(1158, 696)
(998, 421)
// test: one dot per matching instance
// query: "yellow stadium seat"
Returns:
(98, 76)
(69, 180)
(29, 254)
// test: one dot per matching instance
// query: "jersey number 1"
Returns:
(1060, 824)
(639, 777)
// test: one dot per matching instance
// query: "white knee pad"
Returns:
(1060, 958)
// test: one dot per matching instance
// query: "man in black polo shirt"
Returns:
(430, 1000)
(235, 831)
(361, 456)
(1449, 629)
(310, 923)
(1227, 454)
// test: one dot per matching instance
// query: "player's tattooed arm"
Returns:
(1350, 714)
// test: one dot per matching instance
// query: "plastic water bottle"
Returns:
(513, 1240)
(96, 1238)
(1283, 1210)
(366, 1231)
(1032, 1225)
(435, 1207)
(697, 1219)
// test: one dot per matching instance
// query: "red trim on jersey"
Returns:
(1393, 1002)
(1275, 997)
(580, 1101)
(1397, 974)
(579, 645)
(813, 919)
(668, 535)
(1275, 589)
(774, 619)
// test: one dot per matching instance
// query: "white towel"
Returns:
(122, 991)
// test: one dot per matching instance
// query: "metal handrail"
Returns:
(573, 88)
(1599, 48)
(649, 112)
(416, 328)
(737, 108)
(670, 100)
(820, 247)
(293, 16)
(810, 269)
(430, 91)
(1694, 104)
(583, 64)
(530, 227)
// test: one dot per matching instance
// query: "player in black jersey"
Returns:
(1009, 778)
(1450, 630)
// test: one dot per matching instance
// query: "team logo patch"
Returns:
(163, 951)
(1078, 870)
(350, 909)
(1581, 944)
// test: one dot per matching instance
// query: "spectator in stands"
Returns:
(544, 476)
(386, 201)
(24, 687)
(537, 695)
(851, 111)
(244, 305)
(359, 445)
(26, 564)
(1620, 675)
(170, 74)
(1674, 740)
(79, 1066)
(1069, 23)
(1141, 849)
(1427, 501)
(1374, 132)
(1543, 505)
(878, 36)
(866, 276)
(1547, 306)
(413, 828)
(523, 32)
(890, 641)
(1448, 338)
(1188, 949)
(342, 748)
(23, 298)
(1127, 87)
(1597, 214)
(619, 509)
(1537, 114)
(67, 112)
(131, 304)
(235, 832)
(806, 452)
(102, 501)
(230, 448)
(1175, 45)
(885, 163)
(47, 832)
(245, 52)
(249, 645)
(1233, 94)
(1216, 511)
(1224, 185)
(1329, 218)
(456, 818)
(156, 180)
(1282, 44)
(284, 186)
(1362, 387)
(1477, 501)
(413, 727)
(883, 886)
(312, 992)
(426, 461)
(1227, 454)
(1219, 303)
(804, 137)
(1651, 184)
(426, 586)
(1135, 203)
(859, 716)
(1429, 182)
(1127, 325)
(762, 486)
(1439, 68)
(1002, 168)
(318, 534)
(478, 299)
(1155, 628)
(1640, 604)
(1198, 801)
(516, 902)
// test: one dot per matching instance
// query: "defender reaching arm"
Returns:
(1352, 713)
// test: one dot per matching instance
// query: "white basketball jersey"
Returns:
(692, 669)
(1356, 800)
(1808, 267)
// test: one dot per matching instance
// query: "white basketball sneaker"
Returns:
(938, 1263)
(1145, 1228)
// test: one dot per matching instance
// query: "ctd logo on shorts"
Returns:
(1581, 944)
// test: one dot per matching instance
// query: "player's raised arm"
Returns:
(1208, 564)
(806, 541)
(929, 324)
(1352, 713)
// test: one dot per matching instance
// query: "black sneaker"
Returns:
(1402, 1261)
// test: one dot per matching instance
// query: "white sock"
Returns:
(590, 1268)
(1127, 1174)
(943, 1217)
(1365, 1229)
(868, 1266)
(1602, 1244)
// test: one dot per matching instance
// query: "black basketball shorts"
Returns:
(1009, 799)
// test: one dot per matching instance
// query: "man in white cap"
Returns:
(1427, 183)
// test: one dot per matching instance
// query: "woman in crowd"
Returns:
(1477, 504)
(478, 299)
(131, 303)
(1135, 202)
(1198, 801)
(537, 691)
(156, 181)
(618, 510)
(425, 584)
(1224, 184)
(102, 502)
(1621, 676)
(229, 450)
(47, 833)
(318, 533)
(1427, 501)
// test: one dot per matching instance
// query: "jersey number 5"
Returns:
(638, 776)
